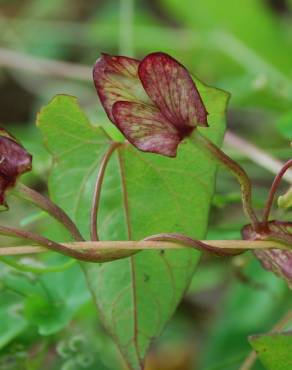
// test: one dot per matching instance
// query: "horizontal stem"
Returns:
(143, 245)
(82, 255)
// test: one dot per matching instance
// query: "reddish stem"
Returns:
(50, 207)
(216, 154)
(97, 190)
(193, 243)
(273, 190)
(87, 256)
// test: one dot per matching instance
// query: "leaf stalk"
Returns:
(237, 171)
(48, 206)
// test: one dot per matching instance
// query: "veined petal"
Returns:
(14, 161)
(278, 261)
(170, 86)
(146, 128)
(116, 79)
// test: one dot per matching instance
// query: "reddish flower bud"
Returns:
(14, 161)
(154, 103)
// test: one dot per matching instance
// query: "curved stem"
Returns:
(193, 243)
(274, 187)
(97, 190)
(238, 172)
(88, 256)
(48, 206)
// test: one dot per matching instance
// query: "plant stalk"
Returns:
(240, 245)
(48, 206)
(89, 255)
(273, 190)
(97, 191)
(237, 171)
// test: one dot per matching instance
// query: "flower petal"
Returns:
(278, 261)
(170, 86)
(116, 79)
(146, 128)
(14, 161)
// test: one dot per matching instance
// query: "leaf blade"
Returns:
(135, 296)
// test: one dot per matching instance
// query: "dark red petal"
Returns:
(278, 261)
(116, 79)
(170, 86)
(146, 128)
(14, 161)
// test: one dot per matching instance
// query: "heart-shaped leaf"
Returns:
(143, 194)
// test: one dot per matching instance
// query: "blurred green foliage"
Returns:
(47, 320)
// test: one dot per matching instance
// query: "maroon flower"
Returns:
(154, 103)
(14, 161)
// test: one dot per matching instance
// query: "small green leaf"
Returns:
(274, 350)
(63, 294)
(50, 300)
(11, 321)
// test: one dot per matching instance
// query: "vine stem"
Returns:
(274, 187)
(89, 255)
(255, 154)
(238, 172)
(240, 245)
(48, 206)
(97, 190)
(193, 243)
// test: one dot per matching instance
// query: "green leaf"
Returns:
(63, 294)
(268, 298)
(274, 350)
(51, 300)
(135, 296)
(11, 321)
(77, 148)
